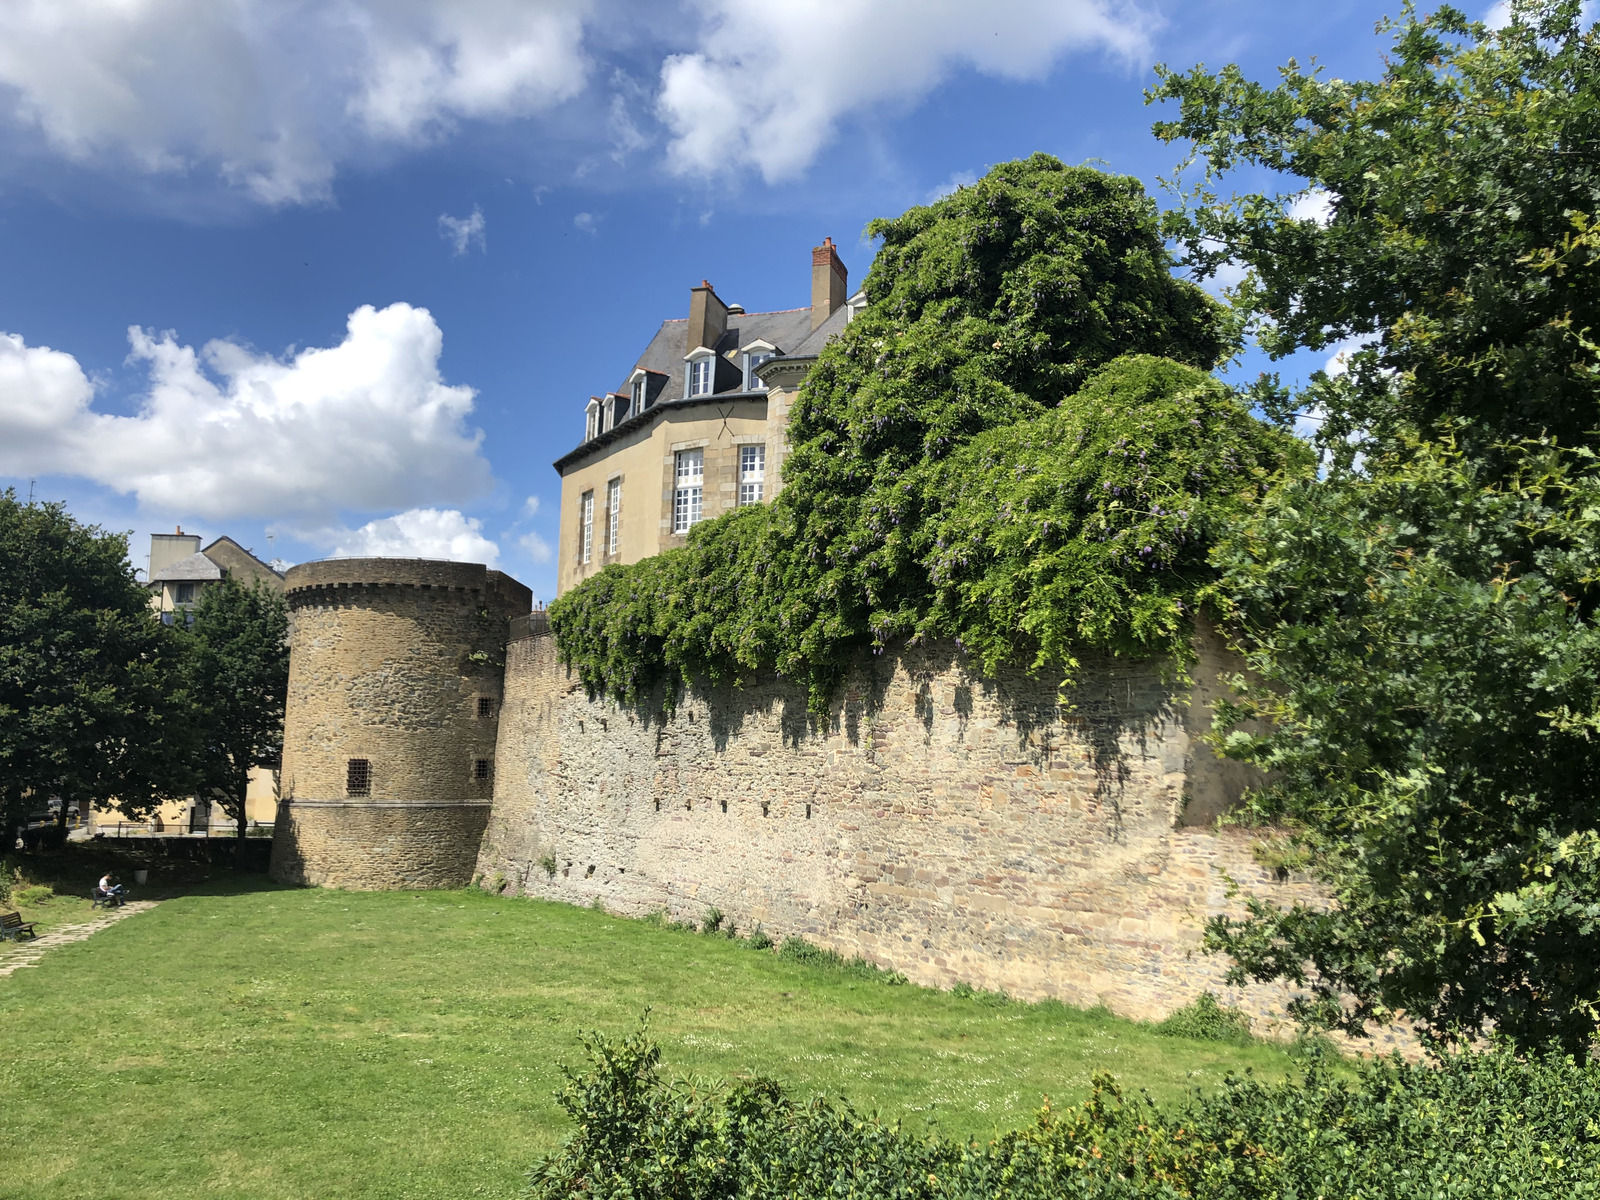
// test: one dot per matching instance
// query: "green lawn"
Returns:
(246, 1042)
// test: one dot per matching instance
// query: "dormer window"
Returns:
(591, 420)
(702, 371)
(638, 395)
(755, 354)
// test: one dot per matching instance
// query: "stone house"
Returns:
(698, 426)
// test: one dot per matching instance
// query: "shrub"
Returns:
(1470, 1124)
(31, 895)
(548, 862)
(1206, 1020)
(712, 921)
(759, 940)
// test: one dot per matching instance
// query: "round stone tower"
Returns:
(395, 675)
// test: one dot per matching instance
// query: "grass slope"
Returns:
(302, 1043)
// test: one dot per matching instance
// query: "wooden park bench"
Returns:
(99, 899)
(12, 927)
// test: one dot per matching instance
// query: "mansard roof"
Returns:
(784, 329)
(665, 354)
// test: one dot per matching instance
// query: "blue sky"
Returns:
(376, 254)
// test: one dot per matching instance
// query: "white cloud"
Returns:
(771, 79)
(462, 232)
(530, 507)
(421, 533)
(1498, 15)
(1338, 360)
(228, 432)
(956, 182)
(536, 547)
(586, 223)
(272, 96)
(1314, 204)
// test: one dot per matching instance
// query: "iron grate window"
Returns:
(358, 777)
(485, 706)
(480, 769)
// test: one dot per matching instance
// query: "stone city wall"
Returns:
(946, 826)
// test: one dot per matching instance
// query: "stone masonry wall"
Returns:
(367, 846)
(397, 662)
(949, 827)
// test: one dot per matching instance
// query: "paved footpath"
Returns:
(29, 953)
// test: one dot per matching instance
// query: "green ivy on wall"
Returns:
(1015, 444)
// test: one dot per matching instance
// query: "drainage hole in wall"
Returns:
(808, 812)
(724, 806)
(763, 808)
(589, 872)
(658, 806)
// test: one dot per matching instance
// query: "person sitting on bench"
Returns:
(108, 890)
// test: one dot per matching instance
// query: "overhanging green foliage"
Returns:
(988, 452)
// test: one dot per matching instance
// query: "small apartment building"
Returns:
(698, 427)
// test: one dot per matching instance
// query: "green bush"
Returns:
(1206, 1020)
(31, 895)
(1471, 1124)
(759, 939)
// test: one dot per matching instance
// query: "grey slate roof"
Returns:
(819, 337)
(194, 569)
(785, 329)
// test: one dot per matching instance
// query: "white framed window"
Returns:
(586, 541)
(752, 473)
(638, 395)
(702, 372)
(752, 381)
(591, 421)
(613, 514)
(689, 480)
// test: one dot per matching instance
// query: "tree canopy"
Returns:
(1456, 235)
(92, 696)
(1422, 615)
(989, 362)
(237, 664)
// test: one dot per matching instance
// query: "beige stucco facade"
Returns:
(675, 401)
(642, 465)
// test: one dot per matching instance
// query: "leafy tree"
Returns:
(1423, 615)
(986, 311)
(238, 665)
(1460, 192)
(92, 695)
(1429, 670)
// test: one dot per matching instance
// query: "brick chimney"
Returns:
(708, 317)
(828, 282)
